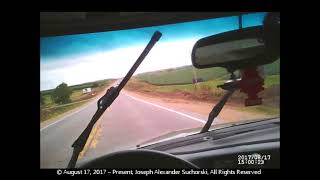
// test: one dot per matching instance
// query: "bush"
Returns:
(95, 84)
(61, 94)
(205, 88)
(42, 100)
(218, 92)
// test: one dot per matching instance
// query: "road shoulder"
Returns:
(48, 122)
(228, 114)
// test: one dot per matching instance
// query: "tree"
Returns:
(61, 94)
(95, 84)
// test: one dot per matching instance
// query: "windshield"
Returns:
(165, 95)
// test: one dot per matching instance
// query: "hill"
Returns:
(185, 74)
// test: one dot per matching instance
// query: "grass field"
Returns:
(76, 95)
(212, 84)
(271, 81)
(190, 87)
(208, 92)
(46, 114)
(161, 82)
(185, 74)
(209, 86)
(182, 75)
(82, 86)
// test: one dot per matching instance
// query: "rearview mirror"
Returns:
(233, 50)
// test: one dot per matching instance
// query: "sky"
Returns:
(76, 59)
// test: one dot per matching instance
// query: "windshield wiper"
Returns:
(231, 87)
(105, 101)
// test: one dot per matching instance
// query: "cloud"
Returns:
(114, 64)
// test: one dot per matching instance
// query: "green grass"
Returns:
(46, 114)
(181, 75)
(76, 91)
(48, 100)
(90, 84)
(81, 86)
(185, 74)
(212, 77)
(214, 92)
(190, 87)
(174, 88)
(76, 95)
(208, 89)
(271, 81)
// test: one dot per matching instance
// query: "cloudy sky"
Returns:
(76, 59)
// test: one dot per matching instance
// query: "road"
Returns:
(128, 122)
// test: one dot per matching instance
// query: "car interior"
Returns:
(223, 147)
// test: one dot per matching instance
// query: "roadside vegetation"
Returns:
(166, 83)
(64, 98)
(181, 75)
(185, 74)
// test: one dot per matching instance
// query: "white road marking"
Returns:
(161, 107)
(94, 101)
(63, 118)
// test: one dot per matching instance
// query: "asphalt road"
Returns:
(128, 122)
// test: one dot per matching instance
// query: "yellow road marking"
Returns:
(92, 141)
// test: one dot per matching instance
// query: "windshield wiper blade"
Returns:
(231, 87)
(105, 101)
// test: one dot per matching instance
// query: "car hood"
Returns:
(192, 131)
